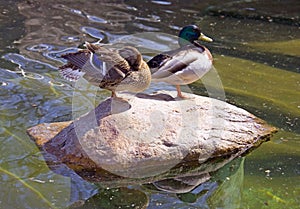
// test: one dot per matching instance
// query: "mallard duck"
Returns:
(111, 69)
(184, 65)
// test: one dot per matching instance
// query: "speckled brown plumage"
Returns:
(112, 69)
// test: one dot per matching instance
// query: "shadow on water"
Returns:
(256, 53)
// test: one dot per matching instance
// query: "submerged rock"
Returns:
(143, 136)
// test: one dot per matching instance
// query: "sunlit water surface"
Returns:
(257, 60)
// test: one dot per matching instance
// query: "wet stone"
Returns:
(141, 136)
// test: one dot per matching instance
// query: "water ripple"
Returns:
(39, 47)
(76, 11)
(151, 18)
(94, 32)
(131, 8)
(161, 2)
(56, 55)
(150, 42)
(57, 83)
(2, 83)
(146, 28)
(96, 19)
(35, 76)
(27, 63)
(6, 85)
(7, 74)
(70, 39)
(118, 16)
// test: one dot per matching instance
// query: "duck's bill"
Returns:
(205, 38)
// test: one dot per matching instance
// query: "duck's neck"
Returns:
(183, 42)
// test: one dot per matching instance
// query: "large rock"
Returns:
(146, 135)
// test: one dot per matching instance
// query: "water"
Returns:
(256, 51)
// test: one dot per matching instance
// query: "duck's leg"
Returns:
(113, 94)
(115, 97)
(179, 94)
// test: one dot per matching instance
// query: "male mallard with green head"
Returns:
(111, 69)
(184, 65)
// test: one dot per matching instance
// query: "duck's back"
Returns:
(110, 70)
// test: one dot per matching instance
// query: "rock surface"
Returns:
(145, 135)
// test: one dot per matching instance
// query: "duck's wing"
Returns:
(116, 67)
(73, 69)
(97, 65)
(82, 63)
(173, 62)
(159, 60)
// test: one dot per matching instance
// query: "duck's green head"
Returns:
(191, 33)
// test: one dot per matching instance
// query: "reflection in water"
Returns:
(181, 184)
(115, 198)
(222, 191)
(192, 189)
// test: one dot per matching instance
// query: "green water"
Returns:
(256, 51)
